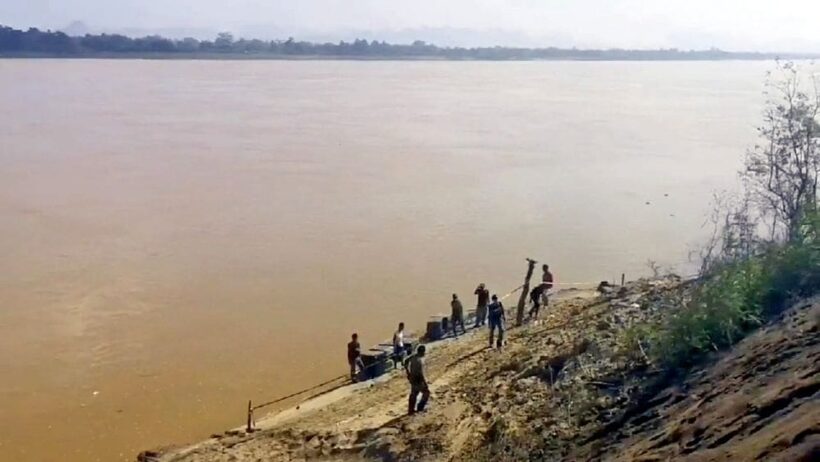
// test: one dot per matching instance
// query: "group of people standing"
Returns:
(492, 312)
(354, 352)
(489, 309)
(413, 366)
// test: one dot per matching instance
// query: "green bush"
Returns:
(737, 297)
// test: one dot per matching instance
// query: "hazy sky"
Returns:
(784, 25)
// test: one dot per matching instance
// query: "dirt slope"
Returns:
(562, 389)
(760, 401)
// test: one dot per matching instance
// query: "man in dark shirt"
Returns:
(536, 295)
(481, 307)
(354, 356)
(418, 381)
(457, 315)
(497, 319)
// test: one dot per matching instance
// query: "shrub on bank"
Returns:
(736, 297)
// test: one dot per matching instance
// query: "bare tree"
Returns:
(735, 229)
(782, 172)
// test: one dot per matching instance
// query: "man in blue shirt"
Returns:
(497, 319)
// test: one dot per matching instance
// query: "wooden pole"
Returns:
(623, 279)
(249, 427)
(522, 301)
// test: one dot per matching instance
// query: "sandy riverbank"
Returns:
(355, 408)
(757, 400)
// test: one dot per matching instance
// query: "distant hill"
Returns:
(76, 29)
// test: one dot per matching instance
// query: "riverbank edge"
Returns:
(437, 350)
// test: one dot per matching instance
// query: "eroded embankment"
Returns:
(759, 401)
(566, 388)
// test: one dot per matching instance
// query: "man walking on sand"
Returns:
(497, 319)
(418, 382)
(481, 307)
(354, 356)
(457, 315)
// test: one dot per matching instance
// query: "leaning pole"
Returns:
(522, 300)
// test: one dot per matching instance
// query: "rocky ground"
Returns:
(568, 387)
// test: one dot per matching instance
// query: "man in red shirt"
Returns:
(546, 279)
(540, 294)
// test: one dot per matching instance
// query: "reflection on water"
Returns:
(179, 237)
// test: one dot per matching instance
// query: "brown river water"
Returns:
(177, 237)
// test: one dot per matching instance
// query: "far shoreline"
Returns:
(431, 58)
(35, 43)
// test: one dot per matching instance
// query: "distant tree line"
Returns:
(35, 42)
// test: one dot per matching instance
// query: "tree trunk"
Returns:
(522, 301)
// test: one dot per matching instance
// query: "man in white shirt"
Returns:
(398, 346)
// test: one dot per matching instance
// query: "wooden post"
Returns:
(623, 279)
(249, 427)
(522, 301)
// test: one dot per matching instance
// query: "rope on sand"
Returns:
(512, 292)
(301, 392)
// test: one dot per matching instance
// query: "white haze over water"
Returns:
(762, 25)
